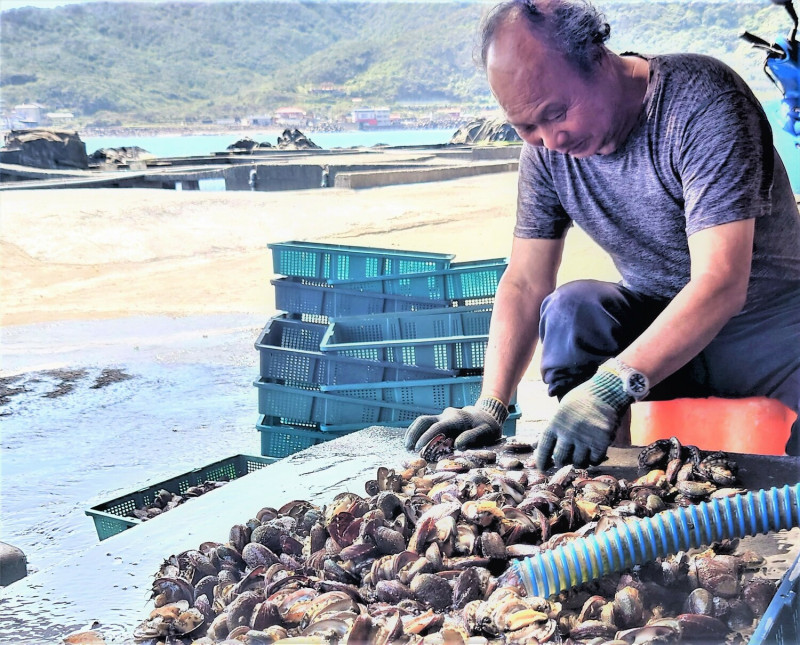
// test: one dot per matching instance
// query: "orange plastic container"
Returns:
(754, 425)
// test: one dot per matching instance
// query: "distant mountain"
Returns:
(112, 62)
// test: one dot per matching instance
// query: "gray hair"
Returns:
(575, 28)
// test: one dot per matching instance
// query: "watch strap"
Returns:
(627, 374)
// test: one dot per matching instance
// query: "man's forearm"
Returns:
(717, 291)
(685, 327)
(512, 339)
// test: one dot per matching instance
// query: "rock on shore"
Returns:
(485, 131)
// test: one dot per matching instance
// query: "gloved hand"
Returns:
(471, 426)
(586, 421)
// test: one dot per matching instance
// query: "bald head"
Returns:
(573, 28)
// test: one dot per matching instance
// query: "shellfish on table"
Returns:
(423, 557)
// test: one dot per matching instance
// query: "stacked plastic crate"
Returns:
(369, 336)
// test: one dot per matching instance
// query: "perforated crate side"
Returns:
(107, 524)
(297, 406)
(341, 262)
(430, 393)
(112, 517)
(281, 440)
(317, 303)
(477, 281)
(232, 468)
(281, 331)
(450, 354)
(292, 405)
(416, 325)
(460, 281)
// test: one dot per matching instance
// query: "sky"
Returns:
(49, 4)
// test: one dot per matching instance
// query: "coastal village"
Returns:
(35, 115)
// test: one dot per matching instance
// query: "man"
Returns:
(667, 163)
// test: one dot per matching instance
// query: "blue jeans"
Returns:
(756, 354)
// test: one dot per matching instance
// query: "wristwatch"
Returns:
(635, 383)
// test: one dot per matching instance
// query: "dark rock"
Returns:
(485, 131)
(120, 156)
(296, 140)
(48, 148)
(13, 564)
(245, 143)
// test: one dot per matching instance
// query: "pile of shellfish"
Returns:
(165, 501)
(423, 557)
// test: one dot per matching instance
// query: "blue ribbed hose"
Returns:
(639, 541)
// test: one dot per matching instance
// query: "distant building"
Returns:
(261, 119)
(366, 118)
(60, 118)
(28, 115)
(290, 117)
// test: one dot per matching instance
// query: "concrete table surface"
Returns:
(108, 586)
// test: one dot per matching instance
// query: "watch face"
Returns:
(637, 383)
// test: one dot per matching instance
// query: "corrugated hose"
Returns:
(638, 541)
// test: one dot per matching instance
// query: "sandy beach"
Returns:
(107, 253)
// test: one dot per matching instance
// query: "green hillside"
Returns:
(120, 62)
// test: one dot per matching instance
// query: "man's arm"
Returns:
(514, 332)
(588, 416)
(530, 276)
(716, 291)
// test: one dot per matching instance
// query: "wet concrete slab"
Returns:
(108, 585)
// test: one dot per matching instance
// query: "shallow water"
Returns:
(75, 434)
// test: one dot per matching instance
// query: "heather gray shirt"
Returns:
(701, 155)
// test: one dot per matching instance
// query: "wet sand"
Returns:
(107, 253)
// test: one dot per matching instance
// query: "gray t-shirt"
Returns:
(701, 155)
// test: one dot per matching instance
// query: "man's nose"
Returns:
(554, 139)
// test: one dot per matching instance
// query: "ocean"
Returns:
(206, 144)
(192, 145)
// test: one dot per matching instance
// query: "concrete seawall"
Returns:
(372, 179)
(352, 169)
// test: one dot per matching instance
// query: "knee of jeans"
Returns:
(568, 302)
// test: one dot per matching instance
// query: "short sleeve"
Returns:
(726, 163)
(540, 214)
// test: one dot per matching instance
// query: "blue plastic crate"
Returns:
(281, 362)
(509, 427)
(780, 624)
(340, 262)
(300, 404)
(431, 393)
(113, 517)
(280, 439)
(289, 333)
(451, 339)
(462, 281)
(317, 302)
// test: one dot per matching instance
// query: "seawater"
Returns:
(192, 145)
(200, 144)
